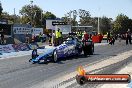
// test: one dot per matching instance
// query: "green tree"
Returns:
(31, 14)
(122, 24)
(93, 21)
(65, 19)
(1, 9)
(49, 15)
(105, 24)
(8, 17)
(85, 18)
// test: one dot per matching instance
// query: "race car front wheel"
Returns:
(55, 58)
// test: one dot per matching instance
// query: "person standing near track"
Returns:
(58, 37)
(108, 36)
(85, 36)
(79, 34)
(2, 37)
(128, 37)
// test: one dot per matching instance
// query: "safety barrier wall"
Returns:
(18, 47)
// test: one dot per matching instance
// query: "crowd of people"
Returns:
(110, 38)
(57, 38)
(126, 36)
(38, 38)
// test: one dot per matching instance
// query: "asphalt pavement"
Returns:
(17, 72)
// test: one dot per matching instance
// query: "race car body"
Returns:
(71, 46)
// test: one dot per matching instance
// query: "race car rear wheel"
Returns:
(55, 58)
(92, 50)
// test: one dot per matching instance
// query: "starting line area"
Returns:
(29, 52)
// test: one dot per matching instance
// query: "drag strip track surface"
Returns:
(19, 73)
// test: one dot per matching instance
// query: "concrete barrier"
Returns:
(19, 47)
(6, 48)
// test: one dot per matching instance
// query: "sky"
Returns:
(108, 8)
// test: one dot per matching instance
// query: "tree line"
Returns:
(34, 15)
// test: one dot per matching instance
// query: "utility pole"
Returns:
(1, 9)
(14, 15)
(98, 26)
(31, 5)
(41, 17)
(98, 23)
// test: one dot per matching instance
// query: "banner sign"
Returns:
(6, 48)
(58, 23)
(65, 29)
(37, 30)
(49, 24)
(20, 47)
(25, 30)
(22, 30)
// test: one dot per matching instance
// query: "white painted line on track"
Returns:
(54, 83)
(126, 70)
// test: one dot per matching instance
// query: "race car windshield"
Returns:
(69, 41)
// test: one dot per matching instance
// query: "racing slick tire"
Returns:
(92, 50)
(30, 60)
(81, 80)
(55, 58)
(76, 52)
(85, 53)
(86, 50)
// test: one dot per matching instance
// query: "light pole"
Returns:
(14, 15)
(31, 6)
(98, 26)
(41, 17)
(98, 23)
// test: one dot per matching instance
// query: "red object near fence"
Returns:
(97, 38)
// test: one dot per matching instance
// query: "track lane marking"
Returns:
(55, 82)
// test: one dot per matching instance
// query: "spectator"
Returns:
(119, 37)
(58, 36)
(44, 37)
(85, 36)
(108, 37)
(2, 37)
(128, 37)
(33, 38)
(40, 37)
(61, 38)
(53, 35)
(112, 40)
(50, 38)
(27, 38)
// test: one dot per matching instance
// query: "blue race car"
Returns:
(71, 46)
